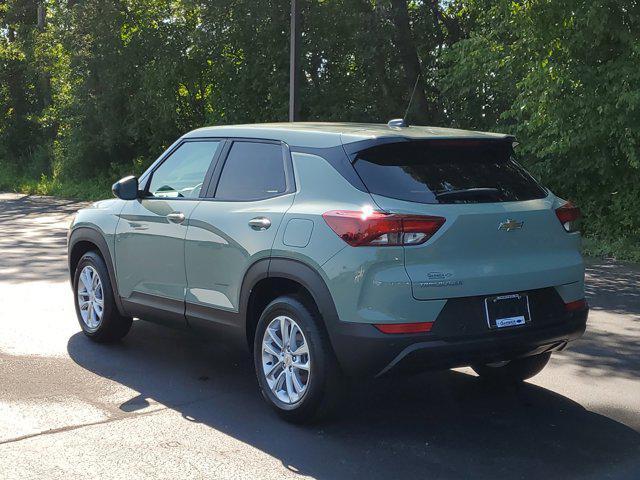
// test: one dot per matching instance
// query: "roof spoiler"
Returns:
(355, 147)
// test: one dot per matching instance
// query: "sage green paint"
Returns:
(322, 135)
(221, 246)
(371, 285)
(298, 232)
(150, 249)
(203, 260)
(315, 177)
(571, 292)
(470, 256)
(102, 216)
(368, 284)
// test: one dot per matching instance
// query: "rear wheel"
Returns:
(295, 365)
(514, 370)
(94, 301)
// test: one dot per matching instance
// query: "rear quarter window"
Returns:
(252, 171)
(446, 172)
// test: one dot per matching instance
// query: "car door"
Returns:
(235, 226)
(150, 235)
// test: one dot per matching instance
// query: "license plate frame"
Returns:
(507, 311)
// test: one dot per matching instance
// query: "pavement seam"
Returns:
(70, 428)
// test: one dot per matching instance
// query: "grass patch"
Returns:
(88, 190)
(91, 189)
(625, 248)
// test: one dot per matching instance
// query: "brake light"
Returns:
(577, 305)
(420, 327)
(371, 228)
(568, 214)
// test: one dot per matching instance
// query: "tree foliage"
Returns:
(564, 77)
(95, 87)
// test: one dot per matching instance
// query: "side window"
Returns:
(253, 171)
(182, 174)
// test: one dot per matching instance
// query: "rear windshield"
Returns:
(446, 172)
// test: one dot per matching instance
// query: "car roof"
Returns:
(327, 134)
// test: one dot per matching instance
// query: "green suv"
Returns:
(334, 250)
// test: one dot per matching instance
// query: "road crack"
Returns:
(113, 419)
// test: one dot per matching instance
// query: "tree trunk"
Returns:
(42, 15)
(295, 67)
(420, 108)
(44, 76)
(452, 29)
(390, 100)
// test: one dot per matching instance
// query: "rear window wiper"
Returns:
(468, 193)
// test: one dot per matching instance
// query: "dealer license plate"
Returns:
(506, 311)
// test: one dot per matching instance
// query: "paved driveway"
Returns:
(164, 405)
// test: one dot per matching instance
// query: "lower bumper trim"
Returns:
(375, 354)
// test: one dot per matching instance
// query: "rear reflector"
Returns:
(404, 327)
(371, 228)
(577, 305)
(568, 214)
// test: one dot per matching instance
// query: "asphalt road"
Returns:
(164, 405)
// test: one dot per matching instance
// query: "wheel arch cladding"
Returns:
(83, 240)
(288, 276)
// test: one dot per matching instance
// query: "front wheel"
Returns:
(94, 301)
(513, 371)
(294, 362)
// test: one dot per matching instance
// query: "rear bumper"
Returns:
(364, 351)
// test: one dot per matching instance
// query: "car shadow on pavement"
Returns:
(445, 424)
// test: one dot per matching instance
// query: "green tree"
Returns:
(23, 95)
(92, 89)
(563, 77)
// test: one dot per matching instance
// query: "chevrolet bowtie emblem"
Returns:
(510, 225)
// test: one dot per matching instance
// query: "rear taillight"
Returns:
(421, 327)
(568, 214)
(371, 228)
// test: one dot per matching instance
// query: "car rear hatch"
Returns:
(500, 234)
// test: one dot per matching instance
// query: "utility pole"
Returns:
(45, 76)
(42, 15)
(294, 63)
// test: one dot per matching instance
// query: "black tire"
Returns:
(113, 326)
(325, 379)
(514, 371)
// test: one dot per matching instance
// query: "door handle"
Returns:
(260, 223)
(176, 217)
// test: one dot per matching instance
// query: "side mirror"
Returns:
(126, 188)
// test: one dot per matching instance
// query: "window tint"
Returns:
(446, 172)
(181, 175)
(253, 171)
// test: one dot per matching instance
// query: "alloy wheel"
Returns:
(90, 297)
(286, 363)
